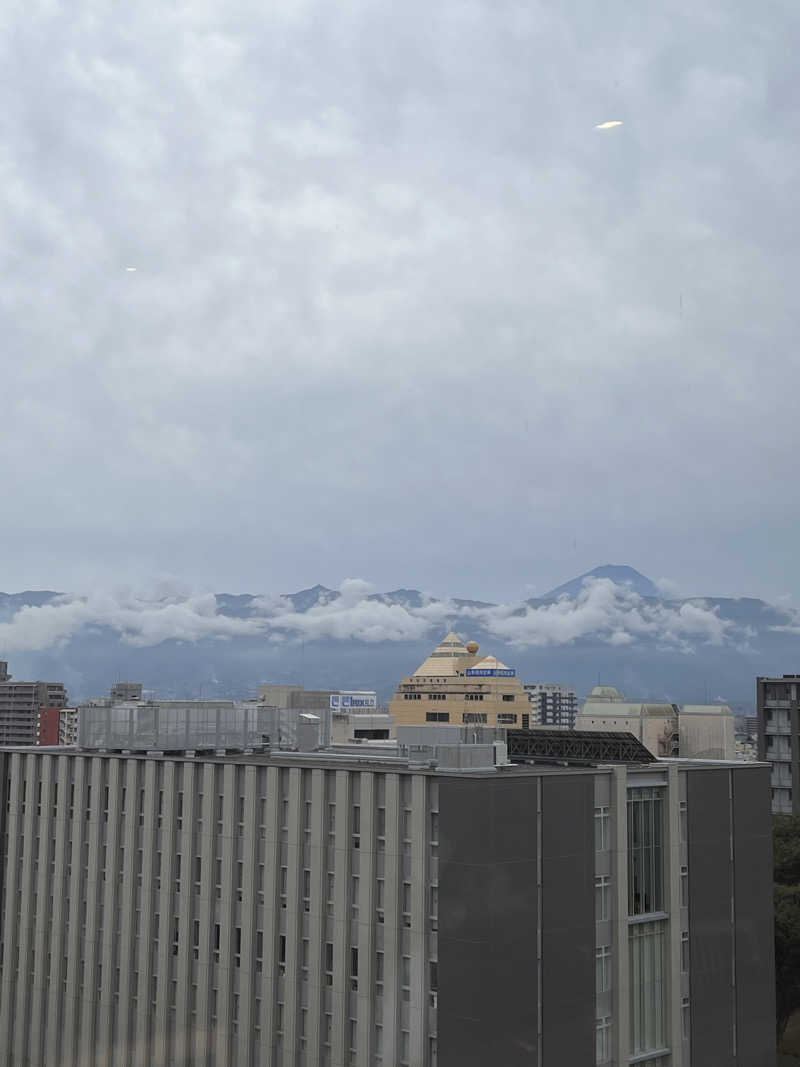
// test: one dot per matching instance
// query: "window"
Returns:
(602, 886)
(685, 1018)
(645, 850)
(356, 824)
(646, 953)
(354, 969)
(405, 1043)
(508, 697)
(603, 1040)
(603, 968)
(437, 696)
(328, 968)
(406, 901)
(506, 719)
(379, 973)
(412, 696)
(683, 820)
(329, 881)
(354, 891)
(405, 977)
(474, 716)
(685, 951)
(684, 886)
(473, 696)
(602, 829)
(437, 716)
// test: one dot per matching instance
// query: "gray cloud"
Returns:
(398, 308)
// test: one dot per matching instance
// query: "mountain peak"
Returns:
(620, 574)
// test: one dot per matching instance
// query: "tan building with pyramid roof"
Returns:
(456, 685)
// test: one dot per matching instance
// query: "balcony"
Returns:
(778, 729)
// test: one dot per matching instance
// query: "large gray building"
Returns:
(323, 909)
(21, 704)
(778, 713)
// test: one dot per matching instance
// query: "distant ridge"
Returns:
(620, 574)
(652, 646)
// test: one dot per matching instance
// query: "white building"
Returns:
(694, 731)
(552, 705)
(68, 727)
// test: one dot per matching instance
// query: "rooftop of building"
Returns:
(453, 658)
(383, 756)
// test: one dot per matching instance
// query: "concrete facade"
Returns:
(552, 705)
(691, 731)
(309, 910)
(778, 713)
(299, 698)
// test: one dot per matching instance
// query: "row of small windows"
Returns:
(506, 697)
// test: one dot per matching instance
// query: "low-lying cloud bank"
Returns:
(603, 611)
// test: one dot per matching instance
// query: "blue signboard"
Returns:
(488, 672)
(353, 700)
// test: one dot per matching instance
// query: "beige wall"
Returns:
(459, 696)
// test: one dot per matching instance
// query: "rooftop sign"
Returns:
(353, 700)
(490, 672)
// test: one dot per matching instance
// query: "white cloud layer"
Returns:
(603, 611)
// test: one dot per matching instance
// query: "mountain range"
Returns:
(610, 625)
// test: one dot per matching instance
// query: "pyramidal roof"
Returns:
(490, 663)
(445, 657)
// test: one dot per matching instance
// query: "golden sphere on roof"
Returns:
(472, 647)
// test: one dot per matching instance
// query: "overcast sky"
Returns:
(399, 310)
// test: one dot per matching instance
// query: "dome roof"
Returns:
(606, 692)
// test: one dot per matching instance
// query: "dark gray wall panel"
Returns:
(755, 951)
(568, 923)
(488, 911)
(710, 930)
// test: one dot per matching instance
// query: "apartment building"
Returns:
(68, 726)
(552, 705)
(309, 909)
(456, 685)
(778, 713)
(21, 704)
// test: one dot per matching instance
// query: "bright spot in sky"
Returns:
(130, 268)
(608, 125)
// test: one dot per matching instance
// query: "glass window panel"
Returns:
(645, 851)
(647, 1023)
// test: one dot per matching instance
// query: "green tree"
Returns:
(787, 954)
(786, 849)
